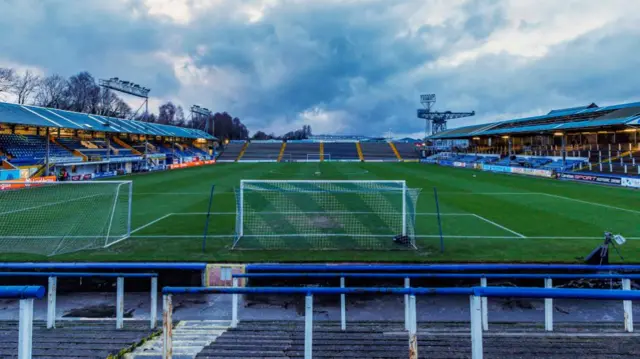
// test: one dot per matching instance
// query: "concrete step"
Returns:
(189, 338)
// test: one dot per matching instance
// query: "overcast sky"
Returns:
(347, 67)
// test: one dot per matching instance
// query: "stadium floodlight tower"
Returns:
(198, 112)
(437, 121)
(129, 88)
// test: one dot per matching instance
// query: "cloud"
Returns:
(352, 66)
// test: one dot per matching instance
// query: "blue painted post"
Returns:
(435, 194)
(206, 224)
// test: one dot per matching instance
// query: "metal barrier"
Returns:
(26, 294)
(53, 284)
(102, 266)
(475, 295)
(548, 283)
(435, 267)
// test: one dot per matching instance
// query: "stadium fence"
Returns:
(53, 284)
(475, 295)
(483, 277)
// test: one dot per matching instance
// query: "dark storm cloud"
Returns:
(364, 59)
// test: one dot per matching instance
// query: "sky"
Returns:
(343, 67)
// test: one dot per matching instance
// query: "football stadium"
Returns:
(522, 208)
(281, 193)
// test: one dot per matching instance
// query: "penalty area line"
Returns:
(500, 226)
(151, 223)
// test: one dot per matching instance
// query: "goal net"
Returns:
(291, 214)
(59, 217)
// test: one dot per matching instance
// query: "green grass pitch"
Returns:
(486, 217)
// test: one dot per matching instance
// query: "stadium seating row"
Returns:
(305, 150)
(31, 149)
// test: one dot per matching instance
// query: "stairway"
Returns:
(244, 148)
(359, 148)
(395, 150)
(126, 145)
(189, 338)
(284, 145)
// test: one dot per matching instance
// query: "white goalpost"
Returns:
(60, 217)
(324, 214)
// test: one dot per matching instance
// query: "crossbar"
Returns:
(22, 291)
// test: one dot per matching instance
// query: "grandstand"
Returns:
(231, 151)
(31, 137)
(302, 149)
(602, 140)
(342, 151)
(378, 151)
(262, 151)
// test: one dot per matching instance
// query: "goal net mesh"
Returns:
(62, 217)
(324, 214)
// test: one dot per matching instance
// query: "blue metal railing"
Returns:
(435, 267)
(475, 293)
(22, 291)
(26, 294)
(548, 283)
(53, 284)
(101, 266)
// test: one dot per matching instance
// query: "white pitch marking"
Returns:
(267, 212)
(500, 226)
(591, 203)
(152, 222)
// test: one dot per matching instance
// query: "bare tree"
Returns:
(25, 85)
(6, 79)
(51, 92)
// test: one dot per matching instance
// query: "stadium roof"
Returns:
(47, 117)
(576, 118)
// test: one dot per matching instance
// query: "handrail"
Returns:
(22, 291)
(102, 265)
(433, 267)
(316, 290)
(26, 294)
(475, 293)
(77, 274)
(53, 285)
(440, 275)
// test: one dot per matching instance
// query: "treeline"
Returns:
(301, 134)
(81, 93)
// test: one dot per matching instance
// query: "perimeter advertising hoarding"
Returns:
(494, 168)
(532, 172)
(191, 164)
(631, 182)
(33, 182)
(582, 177)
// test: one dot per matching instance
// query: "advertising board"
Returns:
(593, 178)
(631, 182)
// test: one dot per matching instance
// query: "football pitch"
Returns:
(485, 217)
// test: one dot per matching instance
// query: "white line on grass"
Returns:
(591, 203)
(183, 236)
(152, 222)
(500, 226)
(489, 193)
(175, 193)
(467, 237)
(267, 212)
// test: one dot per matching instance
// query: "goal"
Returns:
(60, 217)
(316, 157)
(317, 214)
